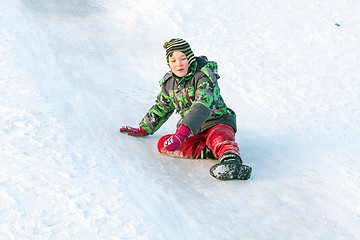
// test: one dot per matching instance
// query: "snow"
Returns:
(73, 72)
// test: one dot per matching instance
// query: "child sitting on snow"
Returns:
(207, 126)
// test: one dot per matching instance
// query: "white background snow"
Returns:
(73, 72)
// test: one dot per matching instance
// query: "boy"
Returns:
(207, 126)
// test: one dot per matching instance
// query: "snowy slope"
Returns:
(73, 72)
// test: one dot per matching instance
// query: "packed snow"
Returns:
(73, 72)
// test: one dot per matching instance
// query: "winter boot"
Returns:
(230, 167)
(206, 153)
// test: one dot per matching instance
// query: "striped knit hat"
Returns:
(181, 45)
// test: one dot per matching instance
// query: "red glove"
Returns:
(136, 132)
(175, 141)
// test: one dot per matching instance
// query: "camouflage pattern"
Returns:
(196, 97)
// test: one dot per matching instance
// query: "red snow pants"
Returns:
(219, 139)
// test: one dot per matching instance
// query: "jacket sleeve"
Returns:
(158, 114)
(207, 91)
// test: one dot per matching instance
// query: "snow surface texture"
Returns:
(73, 72)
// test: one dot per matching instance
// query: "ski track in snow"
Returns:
(71, 73)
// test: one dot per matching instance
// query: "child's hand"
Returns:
(175, 141)
(135, 132)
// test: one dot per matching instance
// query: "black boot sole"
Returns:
(230, 171)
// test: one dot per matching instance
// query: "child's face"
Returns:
(178, 63)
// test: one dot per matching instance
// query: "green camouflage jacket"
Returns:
(196, 97)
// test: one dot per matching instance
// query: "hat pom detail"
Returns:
(165, 45)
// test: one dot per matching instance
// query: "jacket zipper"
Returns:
(176, 103)
(188, 98)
